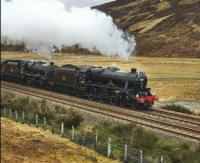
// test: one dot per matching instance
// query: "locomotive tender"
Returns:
(110, 85)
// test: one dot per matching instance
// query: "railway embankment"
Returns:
(22, 143)
(122, 136)
(175, 124)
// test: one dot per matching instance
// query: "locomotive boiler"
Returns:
(123, 88)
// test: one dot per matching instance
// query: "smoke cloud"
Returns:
(84, 3)
(43, 25)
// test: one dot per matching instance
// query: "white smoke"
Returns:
(44, 24)
(84, 3)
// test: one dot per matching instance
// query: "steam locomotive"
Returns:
(110, 85)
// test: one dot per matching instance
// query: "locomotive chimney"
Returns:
(133, 70)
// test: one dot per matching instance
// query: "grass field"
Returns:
(172, 79)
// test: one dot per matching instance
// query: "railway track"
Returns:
(188, 118)
(181, 125)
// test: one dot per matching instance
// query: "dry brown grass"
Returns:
(188, 1)
(148, 20)
(145, 26)
(163, 6)
(24, 144)
(182, 72)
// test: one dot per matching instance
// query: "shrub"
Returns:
(71, 119)
(123, 130)
(133, 135)
(49, 115)
(165, 146)
(21, 104)
(177, 108)
(41, 108)
(7, 101)
(144, 139)
(117, 153)
(60, 109)
(179, 153)
(33, 107)
(195, 156)
(104, 131)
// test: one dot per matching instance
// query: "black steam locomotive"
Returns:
(95, 83)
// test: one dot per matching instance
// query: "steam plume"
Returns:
(44, 24)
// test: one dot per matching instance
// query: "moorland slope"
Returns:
(162, 27)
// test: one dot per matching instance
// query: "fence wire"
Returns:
(118, 150)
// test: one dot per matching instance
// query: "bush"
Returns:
(144, 139)
(21, 104)
(123, 131)
(41, 108)
(179, 153)
(195, 156)
(165, 146)
(7, 101)
(177, 108)
(104, 131)
(59, 109)
(130, 133)
(71, 119)
(48, 115)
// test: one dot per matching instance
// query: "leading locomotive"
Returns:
(110, 85)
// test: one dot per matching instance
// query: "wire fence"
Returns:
(120, 150)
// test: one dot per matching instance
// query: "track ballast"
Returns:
(179, 124)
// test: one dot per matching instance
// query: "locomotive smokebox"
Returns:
(133, 70)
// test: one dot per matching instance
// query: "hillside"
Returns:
(21, 143)
(161, 27)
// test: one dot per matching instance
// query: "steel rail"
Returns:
(106, 110)
(178, 114)
(177, 117)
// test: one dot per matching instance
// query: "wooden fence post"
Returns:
(29, 119)
(96, 140)
(45, 122)
(109, 147)
(72, 132)
(16, 115)
(5, 112)
(36, 119)
(62, 129)
(141, 156)
(161, 159)
(10, 113)
(23, 116)
(83, 139)
(125, 153)
(52, 128)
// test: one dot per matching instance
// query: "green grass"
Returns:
(177, 108)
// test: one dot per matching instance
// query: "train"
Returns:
(109, 85)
